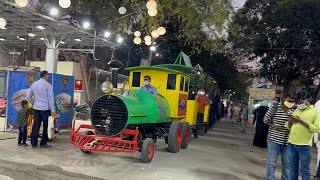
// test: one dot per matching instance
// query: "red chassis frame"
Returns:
(98, 143)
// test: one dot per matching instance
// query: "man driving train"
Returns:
(148, 87)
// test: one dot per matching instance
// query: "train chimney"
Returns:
(115, 65)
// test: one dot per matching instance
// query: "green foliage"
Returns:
(191, 16)
(283, 35)
(223, 70)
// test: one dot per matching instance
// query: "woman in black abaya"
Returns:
(260, 138)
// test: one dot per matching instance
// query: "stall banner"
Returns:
(63, 90)
(262, 94)
(19, 84)
(182, 106)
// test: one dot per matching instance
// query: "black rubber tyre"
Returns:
(196, 133)
(175, 137)
(186, 136)
(87, 133)
(147, 150)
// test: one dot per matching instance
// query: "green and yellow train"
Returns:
(170, 115)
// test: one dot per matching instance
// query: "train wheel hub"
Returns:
(179, 138)
(187, 135)
(150, 151)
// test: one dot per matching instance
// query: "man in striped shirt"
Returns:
(278, 135)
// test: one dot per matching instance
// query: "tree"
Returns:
(224, 71)
(194, 17)
(282, 35)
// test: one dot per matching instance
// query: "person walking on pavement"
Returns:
(43, 105)
(260, 137)
(235, 113)
(244, 117)
(278, 135)
(214, 108)
(302, 124)
(203, 102)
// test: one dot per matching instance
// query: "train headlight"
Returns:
(107, 87)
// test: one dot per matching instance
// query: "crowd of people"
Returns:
(285, 128)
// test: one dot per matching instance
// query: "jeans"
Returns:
(40, 116)
(274, 150)
(22, 135)
(214, 117)
(299, 155)
(200, 123)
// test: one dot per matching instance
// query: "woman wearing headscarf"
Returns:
(260, 137)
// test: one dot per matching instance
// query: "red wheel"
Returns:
(175, 136)
(147, 150)
(150, 151)
(179, 138)
(186, 135)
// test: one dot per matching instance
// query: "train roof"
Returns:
(183, 66)
(156, 68)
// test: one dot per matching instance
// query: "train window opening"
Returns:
(136, 79)
(181, 83)
(171, 82)
(186, 85)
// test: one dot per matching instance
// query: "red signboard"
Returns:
(78, 85)
(182, 105)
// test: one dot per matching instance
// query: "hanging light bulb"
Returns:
(137, 40)
(65, 3)
(155, 34)
(147, 38)
(22, 3)
(122, 10)
(148, 43)
(3, 23)
(137, 33)
(152, 12)
(161, 30)
(151, 4)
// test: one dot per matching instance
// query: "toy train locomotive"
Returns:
(131, 120)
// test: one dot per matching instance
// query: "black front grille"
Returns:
(109, 115)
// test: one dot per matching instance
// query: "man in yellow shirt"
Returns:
(302, 124)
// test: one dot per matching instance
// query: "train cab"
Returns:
(172, 85)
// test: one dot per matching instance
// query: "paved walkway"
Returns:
(223, 153)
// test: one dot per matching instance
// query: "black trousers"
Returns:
(214, 116)
(22, 135)
(200, 122)
(40, 116)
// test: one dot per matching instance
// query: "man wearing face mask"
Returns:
(302, 124)
(203, 102)
(276, 117)
(147, 87)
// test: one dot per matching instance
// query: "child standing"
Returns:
(23, 116)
